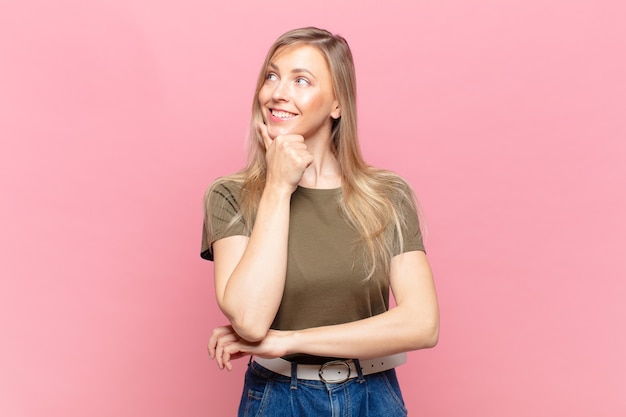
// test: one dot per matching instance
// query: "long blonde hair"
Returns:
(370, 197)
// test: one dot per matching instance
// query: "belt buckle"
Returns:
(334, 363)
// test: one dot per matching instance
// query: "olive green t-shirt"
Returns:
(325, 282)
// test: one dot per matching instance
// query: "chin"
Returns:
(274, 131)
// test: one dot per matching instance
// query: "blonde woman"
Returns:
(307, 240)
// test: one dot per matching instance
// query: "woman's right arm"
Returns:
(250, 271)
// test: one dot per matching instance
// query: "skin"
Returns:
(298, 107)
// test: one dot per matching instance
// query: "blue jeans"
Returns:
(268, 394)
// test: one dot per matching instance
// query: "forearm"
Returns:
(254, 289)
(401, 329)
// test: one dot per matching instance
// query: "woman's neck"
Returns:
(325, 171)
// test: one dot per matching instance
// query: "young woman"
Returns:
(307, 240)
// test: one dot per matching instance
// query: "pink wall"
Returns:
(506, 116)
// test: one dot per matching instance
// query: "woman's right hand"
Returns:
(287, 158)
(225, 345)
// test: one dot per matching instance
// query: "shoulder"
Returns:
(228, 187)
(394, 186)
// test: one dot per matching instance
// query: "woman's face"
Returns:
(297, 95)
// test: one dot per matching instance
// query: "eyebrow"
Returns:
(294, 71)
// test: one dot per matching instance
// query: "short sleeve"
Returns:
(410, 226)
(221, 215)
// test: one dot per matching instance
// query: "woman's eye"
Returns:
(271, 77)
(302, 81)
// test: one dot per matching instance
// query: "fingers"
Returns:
(224, 346)
(296, 151)
(216, 335)
(307, 159)
(287, 160)
(267, 140)
(233, 352)
(226, 361)
(229, 346)
(221, 355)
(287, 141)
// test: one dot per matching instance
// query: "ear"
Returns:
(336, 112)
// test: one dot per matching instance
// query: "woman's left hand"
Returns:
(226, 345)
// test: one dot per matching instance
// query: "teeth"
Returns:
(282, 114)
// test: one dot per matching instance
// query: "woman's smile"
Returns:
(281, 115)
(298, 95)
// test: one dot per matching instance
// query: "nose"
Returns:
(281, 91)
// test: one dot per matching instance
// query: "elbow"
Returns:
(248, 328)
(250, 333)
(247, 325)
(426, 336)
(431, 338)
(429, 330)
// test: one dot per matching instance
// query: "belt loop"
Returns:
(250, 361)
(359, 370)
(294, 375)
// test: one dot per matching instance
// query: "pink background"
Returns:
(506, 116)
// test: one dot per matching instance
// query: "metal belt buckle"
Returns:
(334, 363)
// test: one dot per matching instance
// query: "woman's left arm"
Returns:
(413, 324)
